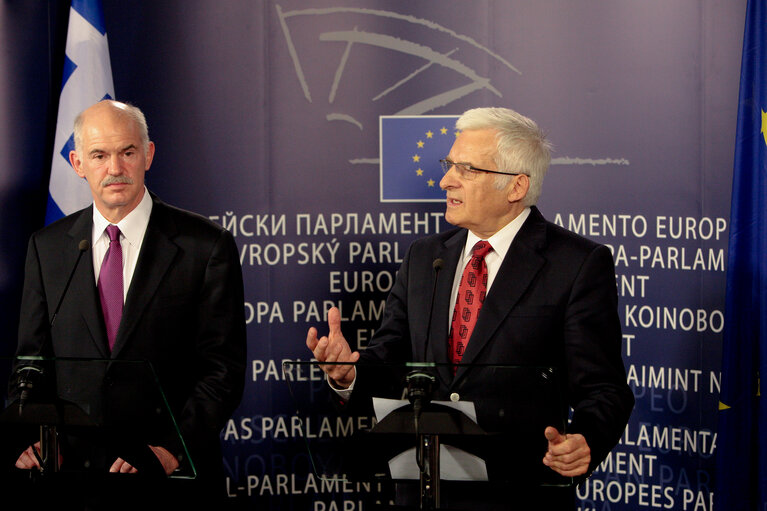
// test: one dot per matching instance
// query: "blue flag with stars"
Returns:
(741, 456)
(410, 150)
(87, 79)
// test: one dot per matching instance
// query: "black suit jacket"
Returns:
(184, 313)
(552, 303)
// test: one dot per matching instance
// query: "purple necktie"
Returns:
(111, 284)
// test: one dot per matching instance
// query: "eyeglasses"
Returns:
(468, 172)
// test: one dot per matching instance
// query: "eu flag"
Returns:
(87, 79)
(741, 459)
(410, 150)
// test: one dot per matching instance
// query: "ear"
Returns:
(519, 187)
(76, 162)
(149, 155)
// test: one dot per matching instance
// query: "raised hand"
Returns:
(333, 348)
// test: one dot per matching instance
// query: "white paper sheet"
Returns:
(454, 464)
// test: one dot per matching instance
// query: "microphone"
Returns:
(417, 379)
(28, 376)
(437, 264)
(81, 247)
(420, 383)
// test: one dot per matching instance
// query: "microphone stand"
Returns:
(420, 387)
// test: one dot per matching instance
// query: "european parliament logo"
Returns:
(410, 150)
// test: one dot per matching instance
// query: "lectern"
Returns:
(80, 430)
(437, 424)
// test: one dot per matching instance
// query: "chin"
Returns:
(452, 221)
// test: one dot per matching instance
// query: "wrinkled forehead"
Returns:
(475, 147)
(109, 125)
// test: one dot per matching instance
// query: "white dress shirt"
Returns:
(132, 230)
(500, 241)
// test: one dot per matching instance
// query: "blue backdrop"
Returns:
(267, 115)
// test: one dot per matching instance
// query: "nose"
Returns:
(449, 180)
(115, 165)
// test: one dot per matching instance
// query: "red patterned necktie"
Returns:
(471, 295)
(111, 284)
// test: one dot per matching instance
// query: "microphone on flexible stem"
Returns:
(81, 247)
(421, 383)
(437, 265)
(28, 376)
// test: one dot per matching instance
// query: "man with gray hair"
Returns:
(149, 282)
(504, 287)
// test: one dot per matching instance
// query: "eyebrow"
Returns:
(459, 162)
(126, 148)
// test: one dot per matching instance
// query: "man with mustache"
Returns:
(179, 305)
(548, 298)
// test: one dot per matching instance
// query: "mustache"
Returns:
(111, 180)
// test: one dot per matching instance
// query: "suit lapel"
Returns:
(520, 266)
(157, 254)
(83, 285)
(450, 254)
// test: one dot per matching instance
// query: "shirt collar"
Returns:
(501, 240)
(132, 227)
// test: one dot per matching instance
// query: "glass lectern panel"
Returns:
(92, 411)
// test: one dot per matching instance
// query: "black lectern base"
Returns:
(95, 491)
(483, 496)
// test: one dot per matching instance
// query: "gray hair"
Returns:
(521, 146)
(134, 113)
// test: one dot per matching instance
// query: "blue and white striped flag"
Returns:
(87, 79)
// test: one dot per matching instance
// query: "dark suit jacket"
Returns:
(553, 303)
(184, 313)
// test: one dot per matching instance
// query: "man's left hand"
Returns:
(568, 455)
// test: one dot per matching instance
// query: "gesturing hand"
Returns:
(333, 348)
(568, 455)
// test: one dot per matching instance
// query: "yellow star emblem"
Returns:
(431, 183)
(419, 172)
(420, 144)
(443, 131)
(416, 158)
(457, 133)
(429, 134)
(764, 126)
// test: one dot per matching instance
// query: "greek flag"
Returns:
(741, 451)
(87, 79)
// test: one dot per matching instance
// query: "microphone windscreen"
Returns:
(83, 245)
(437, 264)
